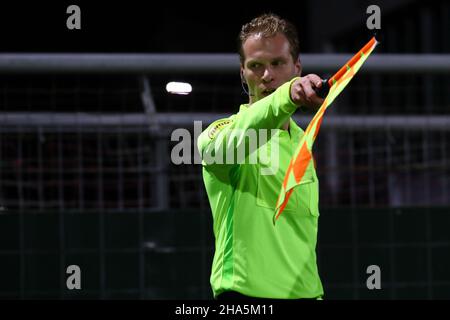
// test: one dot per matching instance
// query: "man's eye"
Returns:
(277, 63)
(255, 65)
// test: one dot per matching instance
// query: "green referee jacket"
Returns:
(252, 255)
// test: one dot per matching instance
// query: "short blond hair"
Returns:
(268, 25)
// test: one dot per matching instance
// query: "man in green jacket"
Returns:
(253, 257)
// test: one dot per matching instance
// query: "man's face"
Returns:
(268, 64)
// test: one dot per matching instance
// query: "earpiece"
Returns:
(242, 77)
(244, 84)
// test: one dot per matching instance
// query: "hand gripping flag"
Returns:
(303, 155)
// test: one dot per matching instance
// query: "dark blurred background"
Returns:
(86, 176)
(138, 26)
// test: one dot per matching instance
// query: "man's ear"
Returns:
(242, 75)
(298, 67)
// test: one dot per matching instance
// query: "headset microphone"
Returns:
(243, 87)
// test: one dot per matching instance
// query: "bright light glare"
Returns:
(179, 87)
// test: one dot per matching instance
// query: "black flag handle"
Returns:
(323, 90)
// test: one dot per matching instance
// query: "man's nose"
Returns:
(267, 75)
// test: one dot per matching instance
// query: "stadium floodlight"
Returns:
(179, 88)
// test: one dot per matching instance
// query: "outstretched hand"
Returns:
(303, 91)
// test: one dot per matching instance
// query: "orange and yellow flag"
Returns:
(303, 154)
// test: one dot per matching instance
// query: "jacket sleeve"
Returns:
(229, 135)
